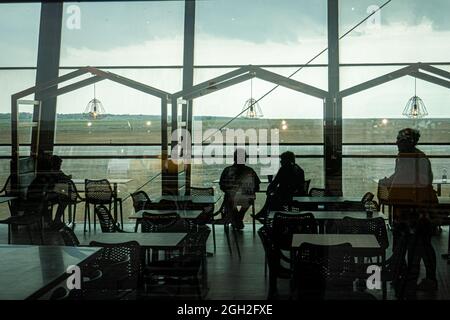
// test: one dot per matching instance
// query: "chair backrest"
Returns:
(318, 268)
(27, 174)
(66, 191)
(163, 222)
(141, 200)
(120, 264)
(284, 225)
(69, 237)
(196, 191)
(107, 222)
(375, 226)
(7, 187)
(316, 192)
(306, 186)
(209, 191)
(383, 193)
(98, 191)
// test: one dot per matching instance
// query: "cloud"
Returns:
(396, 42)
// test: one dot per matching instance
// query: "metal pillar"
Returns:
(333, 108)
(188, 81)
(47, 69)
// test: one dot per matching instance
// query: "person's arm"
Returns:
(256, 181)
(425, 173)
(301, 181)
(390, 179)
(274, 184)
(222, 180)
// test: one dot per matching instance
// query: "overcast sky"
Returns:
(236, 32)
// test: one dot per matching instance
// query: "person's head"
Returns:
(407, 139)
(240, 156)
(56, 162)
(287, 158)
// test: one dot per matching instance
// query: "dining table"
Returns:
(29, 272)
(4, 199)
(363, 245)
(184, 214)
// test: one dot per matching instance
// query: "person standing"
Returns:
(412, 195)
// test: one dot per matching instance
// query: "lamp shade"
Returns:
(415, 108)
(94, 110)
(252, 109)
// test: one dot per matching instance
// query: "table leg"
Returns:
(383, 279)
(439, 189)
(137, 225)
(115, 203)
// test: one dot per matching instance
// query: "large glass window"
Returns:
(148, 33)
(402, 31)
(19, 31)
(260, 32)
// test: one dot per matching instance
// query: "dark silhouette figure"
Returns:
(288, 182)
(37, 191)
(412, 195)
(57, 176)
(239, 183)
(40, 192)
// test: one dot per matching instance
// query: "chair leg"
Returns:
(198, 288)
(236, 242)
(227, 233)
(121, 213)
(214, 236)
(9, 233)
(89, 216)
(95, 218)
(74, 215)
(265, 266)
(85, 215)
(254, 220)
(30, 234)
(41, 230)
(136, 225)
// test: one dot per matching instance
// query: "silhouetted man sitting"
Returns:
(288, 182)
(239, 183)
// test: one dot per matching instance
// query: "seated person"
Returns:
(57, 175)
(288, 182)
(239, 183)
(39, 193)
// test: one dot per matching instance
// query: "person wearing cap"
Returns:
(239, 182)
(411, 193)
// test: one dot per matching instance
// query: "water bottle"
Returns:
(444, 176)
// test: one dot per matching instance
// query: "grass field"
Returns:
(358, 173)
